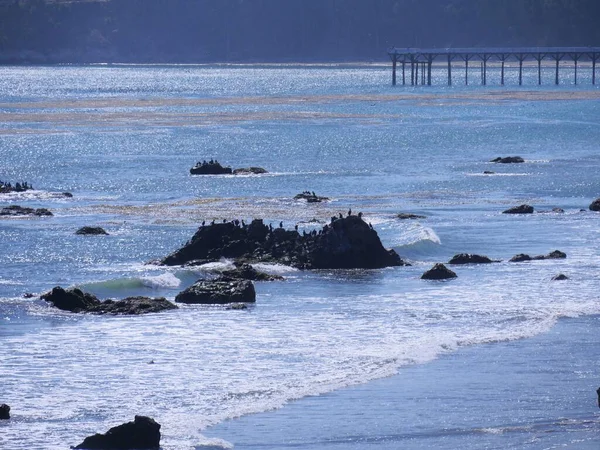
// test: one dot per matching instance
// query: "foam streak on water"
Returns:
(343, 134)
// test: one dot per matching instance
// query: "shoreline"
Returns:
(506, 384)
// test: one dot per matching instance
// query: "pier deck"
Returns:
(421, 59)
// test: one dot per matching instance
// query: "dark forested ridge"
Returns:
(39, 31)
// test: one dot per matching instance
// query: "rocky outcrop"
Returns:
(15, 210)
(4, 412)
(521, 209)
(345, 243)
(77, 301)
(508, 160)
(310, 197)
(142, 433)
(521, 257)
(560, 277)
(210, 168)
(94, 231)
(595, 205)
(438, 272)
(247, 272)
(6, 188)
(249, 171)
(219, 292)
(467, 258)
(409, 216)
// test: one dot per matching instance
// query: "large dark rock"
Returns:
(409, 216)
(595, 205)
(77, 301)
(95, 231)
(4, 411)
(210, 168)
(15, 210)
(247, 272)
(560, 277)
(345, 243)
(310, 197)
(521, 257)
(521, 209)
(6, 188)
(219, 292)
(466, 258)
(249, 171)
(438, 272)
(508, 160)
(142, 433)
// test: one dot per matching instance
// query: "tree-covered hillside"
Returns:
(280, 30)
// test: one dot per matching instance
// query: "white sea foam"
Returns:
(274, 269)
(166, 280)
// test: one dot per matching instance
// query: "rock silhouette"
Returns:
(345, 243)
(91, 231)
(15, 210)
(438, 272)
(219, 292)
(142, 433)
(521, 257)
(466, 258)
(77, 301)
(4, 412)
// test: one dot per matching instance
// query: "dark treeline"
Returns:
(281, 30)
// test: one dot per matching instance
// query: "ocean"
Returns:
(500, 357)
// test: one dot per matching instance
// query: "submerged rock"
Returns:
(219, 292)
(15, 210)
(92, 231)
(521, 257)
(310, 197)
(249, 171)
(488, 172)
(77, 301)
(521, 209)
(508, 160)
(438, 272)
(210, 168)
(467, 258)
(4, 412)
(409, 216)
(595, 205)
(560, 277)
(345, 243)
(142, 433)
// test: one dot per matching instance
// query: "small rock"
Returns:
(67, 195)
(438, 272)
(521, 209)
(95, 231)
(409, 216)
(4, 412)
(520, 258)
(556, 254)
(488, 172)
(466, 258)
(560, 277)
(558, 210)
(210, 168)
(310, 197)
(142, 433)
(595, 206)
(237, 306)
(218, 293)
(28, 295)
(247, 272)
(508, 160)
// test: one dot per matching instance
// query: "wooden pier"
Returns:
(422, 59)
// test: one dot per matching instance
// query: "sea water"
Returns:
(122, 139)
